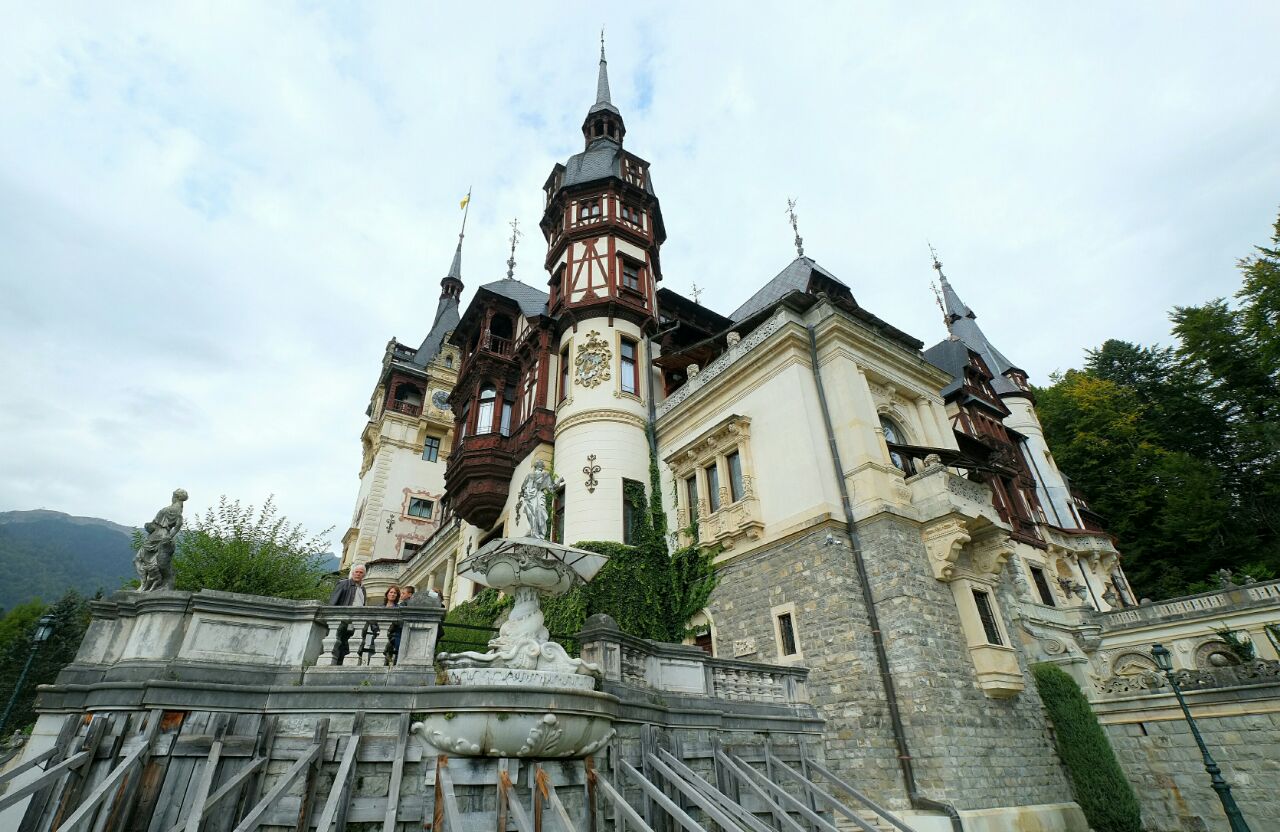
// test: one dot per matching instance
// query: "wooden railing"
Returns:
(408, 408)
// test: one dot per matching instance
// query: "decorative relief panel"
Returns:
(593, 362)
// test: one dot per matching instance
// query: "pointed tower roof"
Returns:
(446, 319)
(603, 101)
(962, 321)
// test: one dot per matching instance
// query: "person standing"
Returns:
(406, 595)
(390, 600)
(349, 592)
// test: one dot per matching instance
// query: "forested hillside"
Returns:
(1179, 446)
(45, 554)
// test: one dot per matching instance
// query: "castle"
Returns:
(887, 515)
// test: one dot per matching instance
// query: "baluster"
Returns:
(356, 642)
(381, 643)
(325, 659)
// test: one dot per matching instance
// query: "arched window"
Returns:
(484, 414)
(894, 436)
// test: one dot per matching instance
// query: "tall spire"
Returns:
(604, 101)
(451, 285)
(953, 309)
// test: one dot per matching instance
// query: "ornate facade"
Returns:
(888, 516)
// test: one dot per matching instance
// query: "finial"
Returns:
(602, 43)
(791, 212)
(937, 293)
(936, 264)
(466, 209)
(694, 291)
(515, 237)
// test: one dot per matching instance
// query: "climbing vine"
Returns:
(650, 593)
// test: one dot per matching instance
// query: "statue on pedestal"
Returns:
(154, 560)
(533, 498)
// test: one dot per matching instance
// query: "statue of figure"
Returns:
(154, 560)
(533, 498)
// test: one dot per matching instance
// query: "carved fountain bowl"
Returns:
(572, 725)
(508, 574)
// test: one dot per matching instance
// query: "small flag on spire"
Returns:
(463, 204)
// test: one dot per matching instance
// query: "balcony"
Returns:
(407, 408)
(478, 476)
(496, 344)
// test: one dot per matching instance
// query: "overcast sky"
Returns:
(213, 217)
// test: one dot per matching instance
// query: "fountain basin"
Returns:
(508, 676)
(506, 722)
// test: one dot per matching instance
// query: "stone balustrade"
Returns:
(220, 636)
(1235, 598)
(686, 670)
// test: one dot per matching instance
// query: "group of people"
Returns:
(350, 592)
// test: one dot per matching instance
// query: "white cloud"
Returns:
(213, 217)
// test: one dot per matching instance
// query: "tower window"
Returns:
(630, 369)
(987, 614)
(431, 449)
(630, 514)
(557, 516)
(505, 426)
(787, 634)
(588, 209)
(564, 372)
(736, 489)
(713, 486)
(631, 215)
(630, 276)
(421, 508)
(484, 414)
(1042, 586)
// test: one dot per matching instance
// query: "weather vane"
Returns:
(515, 237)
(791, 212)
(937, 294)
(695, 291)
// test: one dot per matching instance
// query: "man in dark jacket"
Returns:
(349, 592)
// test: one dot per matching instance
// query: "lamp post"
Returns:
(44, 629)
(1164, 661)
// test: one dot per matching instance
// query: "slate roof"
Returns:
(446, 319)
(953, 356)
(531, 301)
(794, 278)
(964, 326)
(601, 160)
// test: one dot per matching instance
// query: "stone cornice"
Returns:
(600, 415)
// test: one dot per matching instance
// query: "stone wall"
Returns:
(1240, 726)
(970, 749)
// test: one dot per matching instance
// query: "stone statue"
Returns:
(154, 560)
(533, 497)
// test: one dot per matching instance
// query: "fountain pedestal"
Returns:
(523, 657)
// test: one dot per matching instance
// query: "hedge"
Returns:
(1099, 784)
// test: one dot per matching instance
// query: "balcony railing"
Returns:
(408, 408)
(496, 344)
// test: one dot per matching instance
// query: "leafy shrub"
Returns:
(1099, 783)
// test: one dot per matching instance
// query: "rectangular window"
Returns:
(691, 497)
(1042, 586)
(787, 634)
(630, 369)
(505, 427)
(736, 489)
(557, 519)
(431, 449)
(419, 507)
(629, 512)
(713, 487)
(484, 417)
(630, 276)
(987, 613)
(409, 550)
(564, 372)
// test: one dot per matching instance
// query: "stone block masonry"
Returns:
(968, 748)
(1163, 763)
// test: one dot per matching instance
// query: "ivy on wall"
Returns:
(1098, 781)
(650, 593)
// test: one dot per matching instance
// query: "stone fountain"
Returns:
(510, 714)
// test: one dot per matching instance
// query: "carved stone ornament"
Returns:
(593, 362)
(990, 554)
(945, 541)
(733, 339)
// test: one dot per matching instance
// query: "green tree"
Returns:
(1179, 447)
(237, 548)
(70, 619)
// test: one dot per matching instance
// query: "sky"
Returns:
(214, 216)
